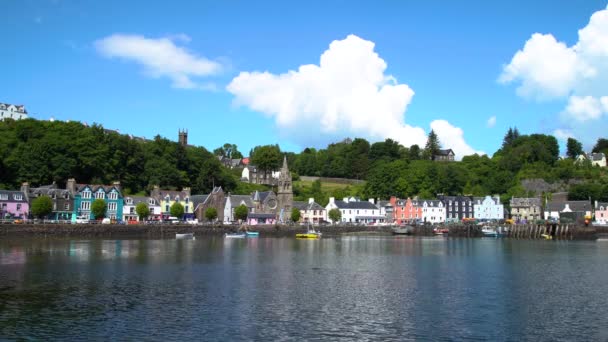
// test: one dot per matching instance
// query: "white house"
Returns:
(129, 212)
(251, 174)
(355, 211)
(488, 208)
(553, 209)
(233, 201)
(311, 211)
(433, 211)
(598, 159)
(9, 111)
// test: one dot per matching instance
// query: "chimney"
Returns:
(25, 188)
(393, 200)
(332, 200)
(187, 191)
(311, 200)
(345, 199)
(371, 200)
(71, 186)
(155, 192)
(117, 186)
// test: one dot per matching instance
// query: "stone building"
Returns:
(216, 199)
(284, 192)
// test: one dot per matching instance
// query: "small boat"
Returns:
(441, 231)
(235, 235)
(488, 231)
(252, 234)
(546, 236)
(403, 230)
(185, 236)
(310, 234)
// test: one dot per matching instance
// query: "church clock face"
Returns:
(272, 203)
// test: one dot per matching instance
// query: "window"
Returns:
(112, 206)
(151, 201)
(187, 200)
(167, 208)
(100, 195)
(18, 197)
(86, 194)
(67, 206)
(18, 207)
(129, 200)
(131, 210)
(3, 206)
(85, 205)
(4, 197)
(113, 195)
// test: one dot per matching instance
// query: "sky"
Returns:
(307, 73)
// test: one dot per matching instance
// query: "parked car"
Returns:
(106, 221)
(82, 219)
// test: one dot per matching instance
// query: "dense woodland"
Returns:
(41, 152)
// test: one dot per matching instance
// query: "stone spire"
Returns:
(284, 192)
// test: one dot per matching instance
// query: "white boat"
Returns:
(185, 236)
(235, 235)
(402, 230)
(488, 231)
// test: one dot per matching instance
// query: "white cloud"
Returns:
(347, 94)
(452, 137)
(548, 69)
(562, 134)
(491, 121)
(160, 57)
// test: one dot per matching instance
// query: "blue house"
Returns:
(85, 194)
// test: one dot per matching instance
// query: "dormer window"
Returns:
(151, 201)
(187, 200)
(129, 200)
(167, 198)
(86, 194)
(100, 195)
(113, 195)
(18, 197)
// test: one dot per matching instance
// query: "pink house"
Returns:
(601, 212)
(255, 219)
(13, 204)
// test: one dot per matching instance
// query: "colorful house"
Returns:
(457, 207)
(311, 211)
(407, 210)
(488, 208)
(13, 204)
(601, 212)
(86, 194)
(524, 209)
(232, 202)
(167, 198)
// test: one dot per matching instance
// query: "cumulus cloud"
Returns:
(563, 134)
(347, 94)
(547, 69)
(452, 137)
(161, 57)
(491, 121)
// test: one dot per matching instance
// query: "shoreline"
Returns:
(169, 230)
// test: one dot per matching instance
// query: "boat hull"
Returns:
(308, 236)
(235, 236)
(253, 234)
(403, 230)
(185, 236)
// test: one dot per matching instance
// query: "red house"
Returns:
(406, 211)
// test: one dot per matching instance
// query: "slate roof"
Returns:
(355, 205)
(307, 206)
(172, 194)
(236, 200)
(445, 152)
(141, 199)
(574, 205)
(11, 196)
(432, 203)
(198, 199)
(602, 205)
(20, 108)
(260, 196)
(597, 156)
(525, 202)
(49, 190)
(95, 187)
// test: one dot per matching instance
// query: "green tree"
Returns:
(42, 206)
(177, 210)
(99, 208)
(267, 158)
(334, 215)
(295, 214)
(510, 137)
(241, 212)
(431, 149)
(229, 151)
(142, 210)
(211, 214)
(601, 146)
(573, 148)
(414, 152)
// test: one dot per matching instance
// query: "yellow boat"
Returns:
(308, 236)
(547, 236)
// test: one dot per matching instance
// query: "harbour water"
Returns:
(345, 288)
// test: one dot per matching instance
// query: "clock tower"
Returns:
(284, 193)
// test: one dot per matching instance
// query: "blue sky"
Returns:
(149, 69)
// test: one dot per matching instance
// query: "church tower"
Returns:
(183, 137)
(284, 193)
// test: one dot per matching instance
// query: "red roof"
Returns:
(245, 161)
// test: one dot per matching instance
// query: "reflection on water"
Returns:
(353, 287)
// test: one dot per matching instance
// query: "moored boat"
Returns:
(489, 231)
(252, 234)
(441, 231)
(311, 233)
(185, 236)
(235, 235)
(402, 230)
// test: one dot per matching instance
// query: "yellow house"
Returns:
(167, 198)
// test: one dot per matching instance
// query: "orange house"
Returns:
(406, 211)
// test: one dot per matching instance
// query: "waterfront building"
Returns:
(13, 204)
(488, 208)
(232, 202)
(284, 193)
(63, 200)
(572, 209)
(216, 199)
(85, 194)
(15, 112)
(355, 211)
(167, 198)
(433, 211)
(601, 212)
(387, 210)
(130, 208)
(525, 209)
(311, 211)
(457, 207)
(407, 210)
